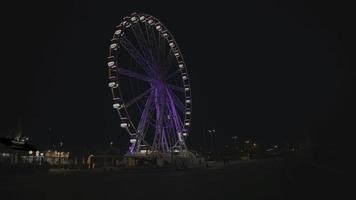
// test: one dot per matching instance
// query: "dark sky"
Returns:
(275, 71)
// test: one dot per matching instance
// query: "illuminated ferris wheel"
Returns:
(150, 86)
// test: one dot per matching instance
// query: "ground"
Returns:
(254, 179)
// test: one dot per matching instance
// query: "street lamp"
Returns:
(234, 138)
(211, 131)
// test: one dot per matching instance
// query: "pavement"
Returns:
(242, 180)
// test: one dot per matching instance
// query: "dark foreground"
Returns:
(243, 180)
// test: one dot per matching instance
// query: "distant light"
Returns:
(176, 150)
(41, 154)
(37, 153)
(30, 152)
(247, 141)
(275, 146)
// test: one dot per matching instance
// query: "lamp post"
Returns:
(234, 138)
(211, 131)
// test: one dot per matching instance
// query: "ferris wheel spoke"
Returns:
(152, 42)
(136, 55)
(141, 40)
(144, 121)
(139, 97)
(172, 74)
(167, 59)
(176, 88)
(177, 122)
(177, 102)
(134, 75)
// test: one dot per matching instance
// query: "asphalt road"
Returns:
(243, 180)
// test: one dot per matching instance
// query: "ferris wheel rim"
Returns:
(123, 112)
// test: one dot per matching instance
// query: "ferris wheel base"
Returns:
(183, 159)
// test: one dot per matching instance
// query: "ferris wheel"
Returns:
(150, 86)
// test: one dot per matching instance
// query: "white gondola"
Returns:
(118, 32)
(186, 89)
(133, 140)
(116, 105)
(181, 66)
(176, 54)
(176, 151)
(187, 123)
(112, 84)
(111, 63)
(184, 134)
(113, 46)
(184, 77)
(188, 113)
(150, 21)
(171, 44)
(124, 125)
(165, 35)
(158, 28)
(133, 19)
(187, 101)
(142, 18)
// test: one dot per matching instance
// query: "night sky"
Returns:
(273, 71)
